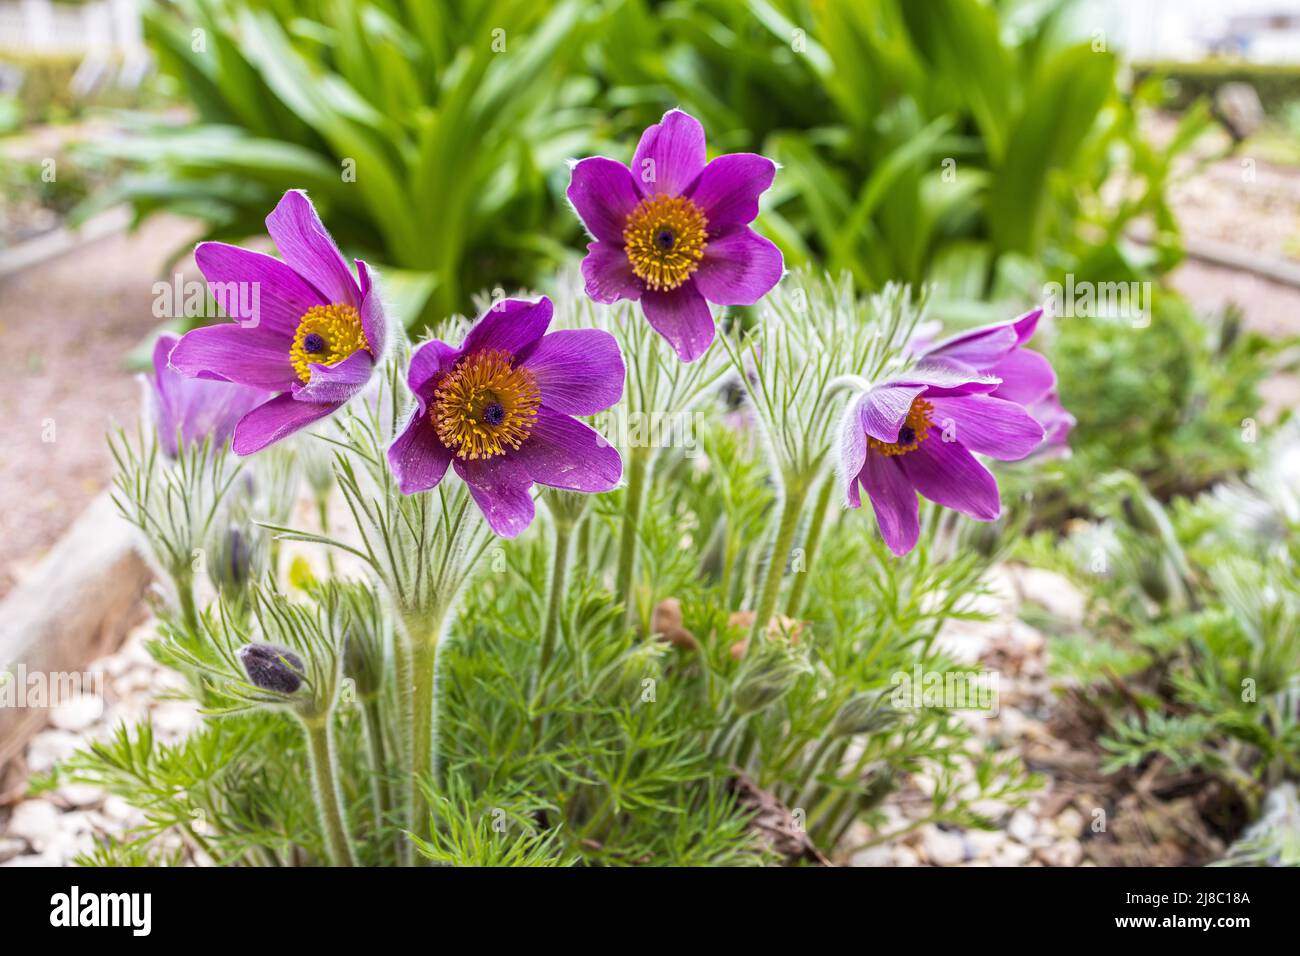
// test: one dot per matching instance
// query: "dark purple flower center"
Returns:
(494, 413)
(313, 343)
(664, 239)
(906, 435)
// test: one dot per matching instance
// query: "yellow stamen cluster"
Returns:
(326, 334)
(484, 405)
(664, 239)
(915, 429)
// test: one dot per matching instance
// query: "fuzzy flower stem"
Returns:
(554, 605)
(325, 788)
(423, 657)
(796, 494)
(184, 580)
(811, 543)
(637, 472)
(380, 791)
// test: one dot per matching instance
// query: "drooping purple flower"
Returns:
(999, 350)
(917, 434)
(499, 409)
(673, 231)
(187, 410)
(305, 328)
(1027, 378)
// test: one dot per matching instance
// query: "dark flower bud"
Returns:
(272, 668)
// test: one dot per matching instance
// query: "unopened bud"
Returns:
(861, 714)
(768, 676)
(272, 668)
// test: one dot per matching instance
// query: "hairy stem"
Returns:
(380, 791)
(811, 543)
(325, 788)
(796, 493)
(554, 605)
(424, 661)
(637, 469)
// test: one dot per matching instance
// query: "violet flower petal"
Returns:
(306, 246)
(281, 296)
(682, 317)
(990, 426)
(853, 449)
(231, 353)
(429, 361)
(949, 475)
(893, 499)
(727, 191)
(739, 268)
(603, 194)
(607, 274)
(373, 320)
(274, 420)
(564, 453)
(577, 371)
(502, 489)
(884, 409)
(1026, 377)
(511, 326)
(670, 155)
(418, 457)
(337, 383)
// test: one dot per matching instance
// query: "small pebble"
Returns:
(36, 821)
(77, 713)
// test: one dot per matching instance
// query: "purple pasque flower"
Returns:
(918, 434)
(1026, 376)
(500, 409)
(305, 328)
(188, 410)
(673, 231)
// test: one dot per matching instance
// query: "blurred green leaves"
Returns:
(918, 141)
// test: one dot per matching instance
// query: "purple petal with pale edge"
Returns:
(670, 155)
(727, 191)
(255, 289)
(979, 348)
(304, 243)
(986, 425)
(564, 453)
(198, 408)
(682, 317)
(502, 489)
(945, 375)
(739, 268)
(603, 194)
(578, 371)
(1026, 377)
(893, 499)
(1026, 325)
(885, 408)
(949, 475)
(428, 362)
(608, 274)
(230, 353)
(277, 419)
(337, 383)
(511, 325)
(418, 457)
(373, 321)
(853, 449)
